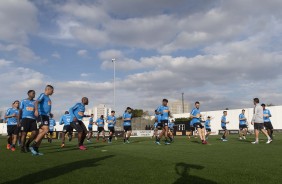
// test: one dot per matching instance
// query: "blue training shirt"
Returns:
(170, 125)
(111, 121)
(194, 112)
(44, 105)
(266, 112)
(52, 124)
(242, 122)
(74, 111)
(100, 122)
(27, 107)
(223, 121)
(12, 120)
(65, 119)
(90, 125)
(127, 115)
(207, 124)
(163, 110)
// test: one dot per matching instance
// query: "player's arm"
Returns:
(71, 111)
(61, 121)
(39, 100)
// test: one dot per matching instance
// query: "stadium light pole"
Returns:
(114, 61)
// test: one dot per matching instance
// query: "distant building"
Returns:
(99, 110)
(176, 107)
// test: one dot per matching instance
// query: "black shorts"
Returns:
(159, 126)
(43, 120)
(28, 125)
(198, 125)
(241, 127)
(164, 123)
(67, 128)
(191, 128)
(90, 129)
(111, 129)
(258, 126)
(127, 128)
(268, 125)
(208, 129)
(100, 129)
(224, 128)
(79, 126)
(12, 130)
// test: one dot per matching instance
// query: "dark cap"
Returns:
(263, 105)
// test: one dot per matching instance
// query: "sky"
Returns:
(221, 53)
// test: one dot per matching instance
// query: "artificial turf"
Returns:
(142, 161)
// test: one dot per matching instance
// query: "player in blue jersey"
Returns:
(164, 112)
(100, 122)
(90, 128)
(12, 117)
(171, 130)
(223, 126)
(208, 127)
(52, 124)
(242, 125)
(28, 120)
(77, 114)
(111, 120)
(156, 124)
(66, 120)
(191, 129)
(267, 122)
(126, 118)
(42, 111)
(195, 116)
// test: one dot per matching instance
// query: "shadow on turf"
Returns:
(57, 171)
(183, 169)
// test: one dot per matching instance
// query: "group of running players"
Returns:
(35, 116)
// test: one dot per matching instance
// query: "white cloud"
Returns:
(110, 54)
(56, 55)
(82, 53)
(17, 20)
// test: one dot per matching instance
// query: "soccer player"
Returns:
(42, 110)
(12, 117)
(156, 124)
(171, 130)
(208, 127)
(100, 124)
(195, 115)
(191, 129)
(258, 121)
(28, 121)
(90, 128)
(66, 120)
(164, 112)
(127, 116)
(267, 123)
(52, 124)
(223, 126)
(242, 125)
(77, 114)
(111, 120)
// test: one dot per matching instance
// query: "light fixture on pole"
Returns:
(113, 60)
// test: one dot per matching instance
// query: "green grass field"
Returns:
(184, 161)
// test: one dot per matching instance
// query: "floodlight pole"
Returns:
(114, 61)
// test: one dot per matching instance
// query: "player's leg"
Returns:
(103, 134)
(128, 134)
(124, 134)
(14, 137)
(84, 133)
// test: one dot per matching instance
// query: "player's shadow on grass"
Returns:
(183, 169)
(57, 171)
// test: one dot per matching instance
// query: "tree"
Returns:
(137, 113)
